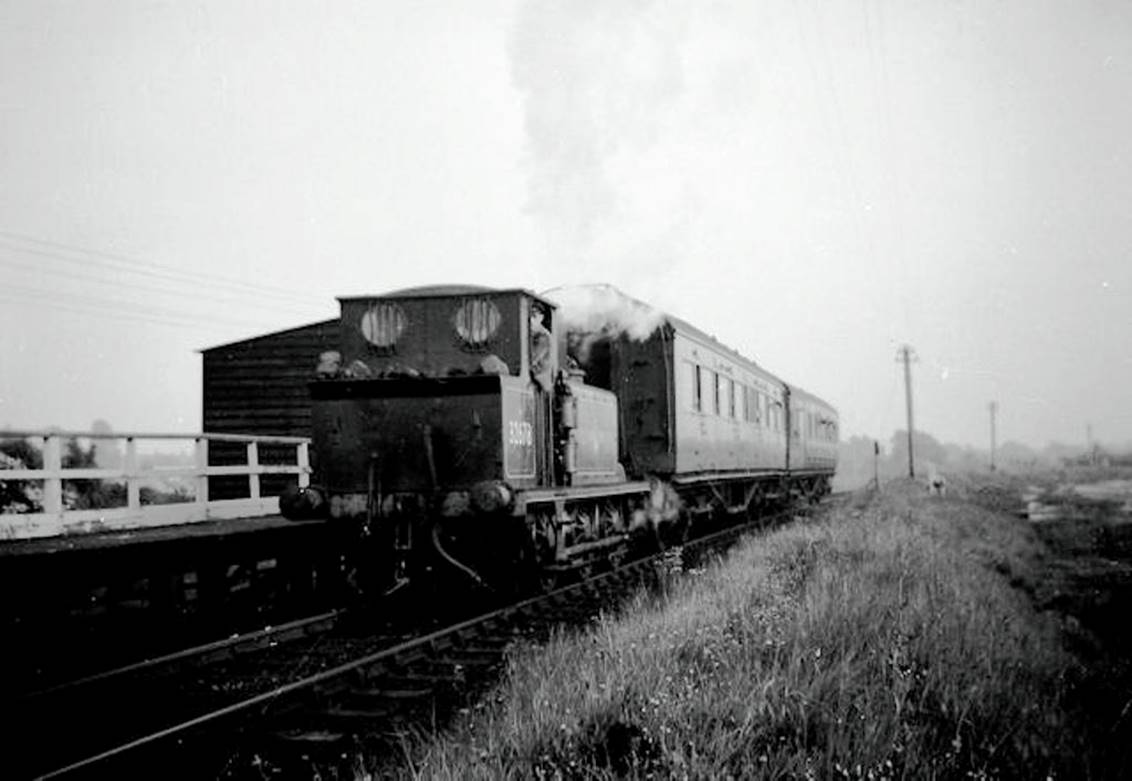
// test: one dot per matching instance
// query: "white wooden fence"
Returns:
(56, 519)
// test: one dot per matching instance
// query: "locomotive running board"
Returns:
(547, 495)
(715, 477)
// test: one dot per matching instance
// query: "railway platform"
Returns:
(90, 586)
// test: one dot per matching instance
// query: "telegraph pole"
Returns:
(993, 410)
(906, 354)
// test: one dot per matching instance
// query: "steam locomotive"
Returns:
(496, 437)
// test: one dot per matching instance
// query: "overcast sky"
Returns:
(813, 184)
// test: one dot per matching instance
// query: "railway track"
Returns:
(115, 706)
(322, 687)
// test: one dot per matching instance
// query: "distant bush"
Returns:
(174, 496)
(25, 496)
(15, 496)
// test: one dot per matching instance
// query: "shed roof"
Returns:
(270, 335)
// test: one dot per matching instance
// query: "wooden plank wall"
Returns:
(259, 386)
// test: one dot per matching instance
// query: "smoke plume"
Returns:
(603, 310)
(600, 82)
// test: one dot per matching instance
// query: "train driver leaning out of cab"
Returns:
(540, 350)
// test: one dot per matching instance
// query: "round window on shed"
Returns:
(382, 324)
(476, 321)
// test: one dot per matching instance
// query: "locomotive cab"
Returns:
(436, 391)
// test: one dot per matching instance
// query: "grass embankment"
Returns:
(886, 639)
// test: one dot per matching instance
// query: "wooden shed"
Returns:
(259, 386)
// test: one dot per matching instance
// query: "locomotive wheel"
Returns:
(531, 574)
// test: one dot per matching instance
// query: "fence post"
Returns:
(133, 483)
(200, 448)
(304, 462)
(253, 469)
(53, 475)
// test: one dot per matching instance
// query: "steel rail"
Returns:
(413, 644)
(229, 644)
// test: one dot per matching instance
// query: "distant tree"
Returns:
(926, 449)
(74, 457)
(23, 451)
(1017, 456)
(965, 459)
(108, 452)
(855, 462)
(14, 494)
(1057, 452)
(88, 494)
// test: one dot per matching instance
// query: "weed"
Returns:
(894, 639)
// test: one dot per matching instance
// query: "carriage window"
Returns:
(715, 385)
(697, 388)
(731, 398)
(744, 393)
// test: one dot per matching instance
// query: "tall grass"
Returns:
(887, 640)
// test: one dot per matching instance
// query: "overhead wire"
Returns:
(897, 187)
(147, 268)
(117, 308)
(835, 128)
(844, 162)
(116, 315)
(166, 282)
(180, 291)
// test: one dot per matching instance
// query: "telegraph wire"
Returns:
(846, 169)
(146, 268)
(897, 186)
(180, 278)
(209, 326)
(180, 292)
(112, 308)
(834, 128)
(115, 307)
